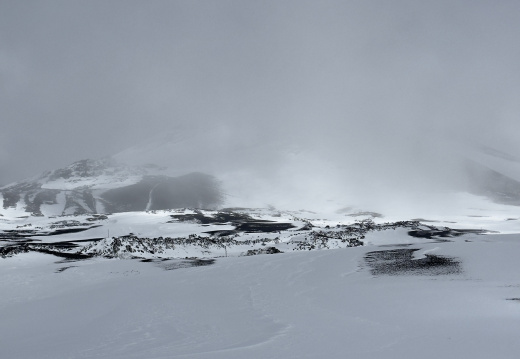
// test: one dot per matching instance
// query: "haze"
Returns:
(358, 96)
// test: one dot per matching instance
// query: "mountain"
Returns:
(494, 174)
(287, 173)
(104, 186)
(245, 282)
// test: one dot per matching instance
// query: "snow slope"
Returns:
(318, 304)
(397, 296)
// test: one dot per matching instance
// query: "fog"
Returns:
(302, 99)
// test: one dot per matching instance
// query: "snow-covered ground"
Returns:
(397, 296)
(316, 304)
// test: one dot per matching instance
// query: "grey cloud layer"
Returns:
(385, 87)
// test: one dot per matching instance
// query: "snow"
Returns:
(297, 304)
(99, 182)
(292, 305)
(13, 212)
(54, 209)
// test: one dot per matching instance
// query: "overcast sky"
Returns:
(370, 82)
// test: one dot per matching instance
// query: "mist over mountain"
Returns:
(301, 170)
(215, 167)
(292, 103)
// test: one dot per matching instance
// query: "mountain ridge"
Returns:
(105, 185)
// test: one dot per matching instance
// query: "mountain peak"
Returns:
(105, 185)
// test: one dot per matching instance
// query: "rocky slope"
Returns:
(186, 233)
(105, 186)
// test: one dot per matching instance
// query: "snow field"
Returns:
(294, 305)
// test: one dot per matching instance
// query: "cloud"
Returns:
(375, 96)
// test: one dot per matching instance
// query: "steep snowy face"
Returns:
(494, 174)
(103, 173)
(100, 186)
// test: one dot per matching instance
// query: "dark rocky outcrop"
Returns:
(195, 190)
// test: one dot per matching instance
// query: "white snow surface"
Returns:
(318, 304)
(99, 182)
(301, 304)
